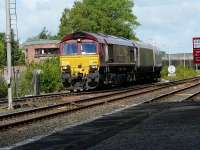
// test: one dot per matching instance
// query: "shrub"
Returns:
(50, 78)
(26, 81)
(164, 71)
(181, 73)
(3, 88)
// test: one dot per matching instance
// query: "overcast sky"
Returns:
(170, 24)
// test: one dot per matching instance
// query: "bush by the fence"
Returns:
(181, 73)
(50, 78)
(3, 88)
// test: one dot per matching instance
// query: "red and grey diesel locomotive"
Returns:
(90, 60)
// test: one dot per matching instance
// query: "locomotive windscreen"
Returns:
(88, 48)
(70, 49)
(83, 48)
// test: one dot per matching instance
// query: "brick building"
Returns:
(36, 51)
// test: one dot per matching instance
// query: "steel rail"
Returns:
(64, 94)
(190, 97)
(11, 115)
(78, 102)
(158, 98)
(78, 105)
(51, 96)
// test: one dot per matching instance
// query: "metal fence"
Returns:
(185, 59)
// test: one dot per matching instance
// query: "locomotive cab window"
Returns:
(88, 48)
(70, 49)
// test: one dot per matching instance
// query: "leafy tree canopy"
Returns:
(114, 17)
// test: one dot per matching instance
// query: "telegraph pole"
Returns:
(8, 42)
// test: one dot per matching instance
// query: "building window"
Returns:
(46, 52)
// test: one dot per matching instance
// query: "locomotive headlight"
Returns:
(78, 40)
(65, 67)
(93, 66)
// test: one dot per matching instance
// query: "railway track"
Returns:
(28, 116)
(176, 92)
(54, 96)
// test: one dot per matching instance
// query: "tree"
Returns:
(17, 54)
(2, 50)
(104, 16)
(43, 35)
(65, 24)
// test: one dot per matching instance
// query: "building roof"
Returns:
(41, 42)
(101, 38)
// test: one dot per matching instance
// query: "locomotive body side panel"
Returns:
(148, 63)
(146, 57)
(158, 58)
(121, 54)
(119, 65)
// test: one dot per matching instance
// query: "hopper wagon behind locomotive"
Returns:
(90, 60)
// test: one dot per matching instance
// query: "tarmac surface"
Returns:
(164, 126)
